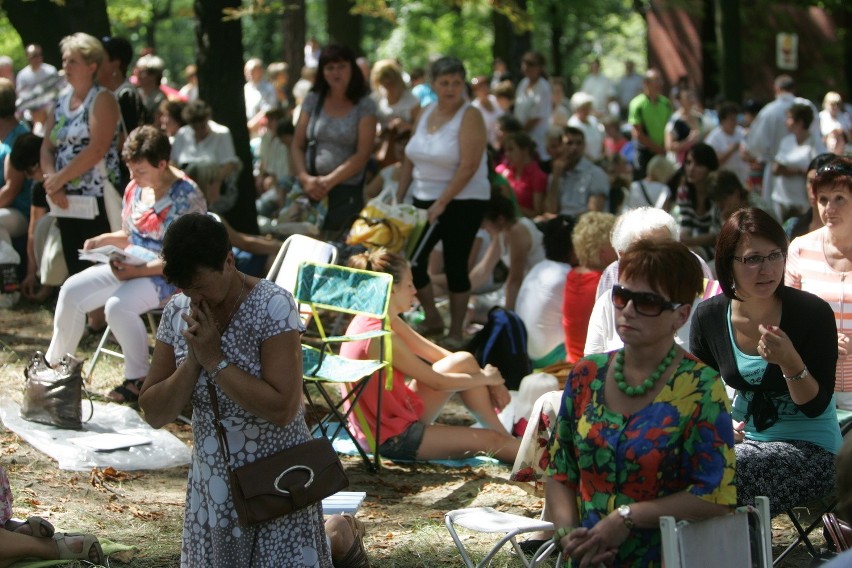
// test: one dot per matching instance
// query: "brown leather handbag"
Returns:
(837, 532)
(284, 482)
(53, 396)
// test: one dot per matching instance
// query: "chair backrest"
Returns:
(295, 250)
(720, 541)
(343, 289)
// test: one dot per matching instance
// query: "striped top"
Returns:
(808, 269)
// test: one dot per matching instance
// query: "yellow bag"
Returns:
(384, 223)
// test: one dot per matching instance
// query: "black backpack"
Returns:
(503, 343)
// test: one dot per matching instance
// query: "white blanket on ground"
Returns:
(164, 451)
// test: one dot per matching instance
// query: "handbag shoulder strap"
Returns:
(312, 135)
(645, 193)
(217, 423)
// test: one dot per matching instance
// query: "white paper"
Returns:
(79, 207)
(109, 252)
(109, 442)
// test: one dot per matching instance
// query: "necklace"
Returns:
(237, 301)
(648, 383)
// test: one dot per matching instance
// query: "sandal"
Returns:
(33, 526)
(127, 392)
(357, 556)
(90, 542)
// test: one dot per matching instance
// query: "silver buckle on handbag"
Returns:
(288, 470)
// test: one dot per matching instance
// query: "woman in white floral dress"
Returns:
(243, 335)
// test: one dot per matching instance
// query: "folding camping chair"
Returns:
(104, 349)
(844, 420)
(348, 291)
(720, 541)
(295, 250)
(489, 520)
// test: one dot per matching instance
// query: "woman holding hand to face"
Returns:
(776, 346)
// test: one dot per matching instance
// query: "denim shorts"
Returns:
(405, 445)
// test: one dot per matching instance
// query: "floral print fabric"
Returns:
(5, 497)
(682, 441)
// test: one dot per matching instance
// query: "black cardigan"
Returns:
(809, 322)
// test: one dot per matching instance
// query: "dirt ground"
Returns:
(403, 513)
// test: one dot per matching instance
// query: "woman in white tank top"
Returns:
(445, 170)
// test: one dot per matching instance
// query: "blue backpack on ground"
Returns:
(503, 343)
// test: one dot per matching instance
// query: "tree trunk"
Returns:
(344, 27)
(220, 84)
(557, 33)
(89, 16)
(28, 17)
(509, 44)
(293, 25)
(730, 48)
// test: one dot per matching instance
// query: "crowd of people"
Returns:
(630, 230)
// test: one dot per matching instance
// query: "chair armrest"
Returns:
(356, 337)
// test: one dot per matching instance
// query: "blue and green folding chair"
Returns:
(332, 288)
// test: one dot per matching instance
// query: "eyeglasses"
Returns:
(755, 260)
(645, 303)
(837, 167)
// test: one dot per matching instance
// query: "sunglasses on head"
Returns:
(645, 303)
(837, 167)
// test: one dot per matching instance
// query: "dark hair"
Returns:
(746, 221)
(380, 260)
(284, 128)
(334, 53)
(147, 143)
(174, 108)
(722, 183)
(417, 73)
(499, 206)
(26, 152)
(667, 266)
(117, 47)
(837, 172)
(752, 106)
(447, 66)
(523, 141)
(802, 113)
(509, 123)
(727, 109)
(195, 112)
(557, 239)
(785, 83)
(194, 241)
(704, 155)
(574, 131)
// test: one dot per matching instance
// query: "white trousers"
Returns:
(123, 303)
(12, 224)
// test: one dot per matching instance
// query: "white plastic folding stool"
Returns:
(489, 520)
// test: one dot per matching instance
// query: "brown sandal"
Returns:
(89, 542)
(33, 526)
(357, 556)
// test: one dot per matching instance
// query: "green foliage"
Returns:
(10, 42)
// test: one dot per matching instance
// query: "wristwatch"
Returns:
(624, 513)
(219, 368)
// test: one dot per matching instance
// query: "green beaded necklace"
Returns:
(648, 383)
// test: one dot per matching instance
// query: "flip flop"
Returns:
(33, 526)
(89, 542)
(123, 394)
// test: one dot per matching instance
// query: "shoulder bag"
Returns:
(53, 396)
(284, 482)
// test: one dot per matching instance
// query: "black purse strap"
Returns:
(217, 423)
(312, 135)
(645, 193)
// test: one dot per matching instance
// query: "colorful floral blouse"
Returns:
(682, 441)
(146, 224)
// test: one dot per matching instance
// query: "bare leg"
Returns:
(432, 317)
(15, 546)
(453, 442)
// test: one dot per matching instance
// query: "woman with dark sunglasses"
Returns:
(643, 431)
(820, 261)
(777, 347)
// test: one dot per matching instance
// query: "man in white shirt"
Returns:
(769, 127)
(599, 86)
(34, 73)
(727, 139)
(581, 106)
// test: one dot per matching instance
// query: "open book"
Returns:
(133, 254)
